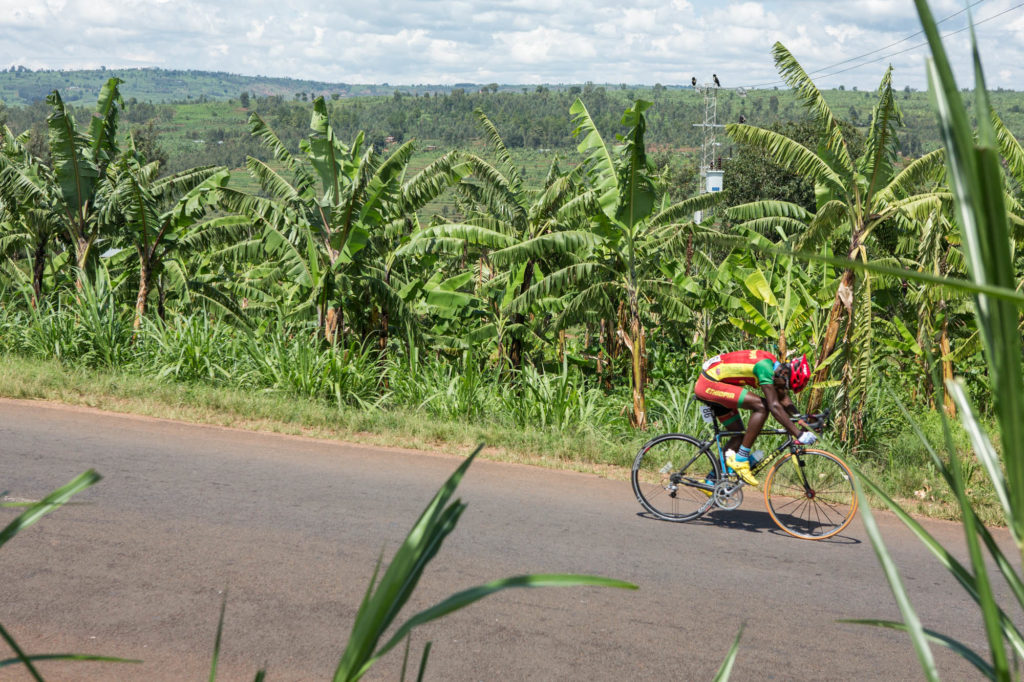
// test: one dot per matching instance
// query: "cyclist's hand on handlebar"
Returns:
(817, 422)
(807, 438)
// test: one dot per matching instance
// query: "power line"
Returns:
(901, 40)
(914, 47)
(899, 52)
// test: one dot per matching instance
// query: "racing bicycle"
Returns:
(808, 491)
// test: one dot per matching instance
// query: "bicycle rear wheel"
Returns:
(671, 475)
(810, 495)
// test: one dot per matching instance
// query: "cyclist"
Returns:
(725, 382)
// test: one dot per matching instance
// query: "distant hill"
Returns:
(21, 86)
(200, 117)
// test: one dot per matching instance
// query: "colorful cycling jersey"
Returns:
(742, 368)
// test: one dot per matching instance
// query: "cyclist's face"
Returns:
(779, 381)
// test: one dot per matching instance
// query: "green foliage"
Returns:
(488, 283)
(976, 181)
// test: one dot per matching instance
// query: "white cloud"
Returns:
(258, 27)
(528, 41)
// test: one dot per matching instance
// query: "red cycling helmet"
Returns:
(799, 373)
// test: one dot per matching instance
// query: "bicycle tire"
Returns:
(815, 511)
(666, 474)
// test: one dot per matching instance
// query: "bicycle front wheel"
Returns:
(810, 494)
(673, 477)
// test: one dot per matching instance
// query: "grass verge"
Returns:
(34, 379)
(921, 490)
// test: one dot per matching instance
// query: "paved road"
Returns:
(291, 527)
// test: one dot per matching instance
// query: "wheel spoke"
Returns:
(810, 496)
(664, 473)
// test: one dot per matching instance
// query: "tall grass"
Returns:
(553, 403)
(976, 181)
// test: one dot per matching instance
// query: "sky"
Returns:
(407, 42)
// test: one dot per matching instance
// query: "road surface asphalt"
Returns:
(291, 529)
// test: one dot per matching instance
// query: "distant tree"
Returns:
(575, 90)
(243, 99)
(335, 96)
(147, 144)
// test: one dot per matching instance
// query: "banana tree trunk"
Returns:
(843, 301)
(140, 300)
(947, 363)
(925, 388)
(38, 268)
(385, 320)
(515, 347)
(81, 258)
(637, 349)
(330, 323)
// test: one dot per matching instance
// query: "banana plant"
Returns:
(615, 274)
(154, 214)
(30, 221)
(514, 233)
(315, 222)
(80, 162)
(939, 309)
(764, 316)
(853, 197)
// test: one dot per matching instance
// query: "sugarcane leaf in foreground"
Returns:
(975, 178)
(730, 659)
(385, 599)
(913, 623)
(48, 504)
(932, 636)
(28, 517)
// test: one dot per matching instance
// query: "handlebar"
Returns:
(816, 422)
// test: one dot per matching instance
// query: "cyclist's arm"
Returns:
(779, 411)
(787, 403)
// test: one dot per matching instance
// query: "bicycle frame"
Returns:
(808, 492)
(771, 456)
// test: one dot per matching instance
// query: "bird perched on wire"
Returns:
(715, 76)
(693, 81)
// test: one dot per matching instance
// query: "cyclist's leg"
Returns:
(740, 446)
(724, 401)
(758, 416)
(731, 420)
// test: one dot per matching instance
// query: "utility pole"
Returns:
(709, 176)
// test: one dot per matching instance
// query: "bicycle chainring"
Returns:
(728, 494)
